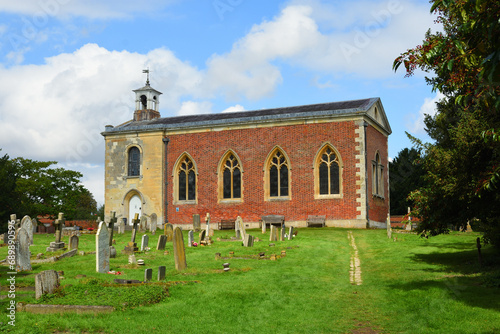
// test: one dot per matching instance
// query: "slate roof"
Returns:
(332, 109)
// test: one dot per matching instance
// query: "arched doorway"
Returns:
(134, 206)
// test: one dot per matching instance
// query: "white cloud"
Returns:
(416, 123)
(195, 108)
(234, 108)
(88, 8)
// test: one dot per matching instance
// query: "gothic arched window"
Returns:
(134, 161)
(377, 176)
(186, 180)
(231, 178)
(278, 175)
(329, 173)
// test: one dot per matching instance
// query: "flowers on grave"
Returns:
(195, 244)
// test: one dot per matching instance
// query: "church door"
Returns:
(134, 206)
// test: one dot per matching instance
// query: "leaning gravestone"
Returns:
(46, 282)
(290, 233)
(169, 232)
(248, 241)
(196, 222)
(58, 244)
(102, 248)
(241, 227)
(162, 241)
(179, 250)
(202, 236)
(144, 242)
(73, 242)
(27, 224)
(148, 275)
(190, 238)
(22, 249)
(273, 235)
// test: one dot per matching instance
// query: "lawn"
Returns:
(409, 285)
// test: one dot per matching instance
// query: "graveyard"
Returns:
(305, 280)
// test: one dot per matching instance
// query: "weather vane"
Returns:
(147, 72)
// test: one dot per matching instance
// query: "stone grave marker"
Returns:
(144, 242)
(196, 222)
(153, 226)
(58, 244)
(263, 226)
(202, 236)
(273, 235)
(290, 233)
(162, 241)
(22, 249)
(179, 250)
(35, 225)
(190, 238)
(102, 248)
(282, 234)
(132, 259)
(46, 282)
(27, 224)
(388, 226)
(73, 242)
(248, 241)
(143, 224)
(135, 226)
(207, 222)
(241, 227)
(148, 275)
(169, 232)
(161, 273)
(130, 248)
(111, 226)
(121, 226)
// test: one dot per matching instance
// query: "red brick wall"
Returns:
(299, 142)
(378, 207)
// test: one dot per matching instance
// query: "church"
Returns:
(328, 159)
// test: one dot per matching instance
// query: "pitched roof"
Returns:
(332, 109)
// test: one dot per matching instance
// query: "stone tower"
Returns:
(147, 102)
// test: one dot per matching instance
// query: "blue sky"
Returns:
(68, 67)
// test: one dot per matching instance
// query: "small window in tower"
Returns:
(144, 102)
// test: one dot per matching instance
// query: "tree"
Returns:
(462, 165)
(8, 196)
(405, 172)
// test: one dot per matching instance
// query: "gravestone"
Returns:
(73, 242)
(46, 282)
(144, 242)
(143, 224)
(132, 259)
(263, 226)
(121, 226)
(27, 224)
(196, 222)
(290, 233)
(22, 249)
(58, 244)
(153, 226)
(282, 234)
(388, 226)
(111, 226)
(202, 236)
(35, 225)
(169, 231)
(190, 238)
(207, 222)
(102, 248)
(135, 226)
(241, 227)
(248, 241)
(148, 275)
(130, 248)
(274, 233)
(161, 273)
(179, 250)
(162, 241)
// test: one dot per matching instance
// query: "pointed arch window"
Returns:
(231, 178)
(328, 173)
(278, 176)
(134, 161)
(377, 177)
(186, 180)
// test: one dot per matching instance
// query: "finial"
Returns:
(147, 72)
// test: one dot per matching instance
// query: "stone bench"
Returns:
(316, 221)
(277, 220)
(226, 224)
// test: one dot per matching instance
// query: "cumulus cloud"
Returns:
(234, 108)
(195, 108)
(416, 123)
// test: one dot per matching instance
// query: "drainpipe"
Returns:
(165, 179)
(365, 125)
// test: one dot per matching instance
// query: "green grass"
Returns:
(411, 285)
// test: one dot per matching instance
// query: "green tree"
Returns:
(462, 165)
(406, 175)
(8, 196)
